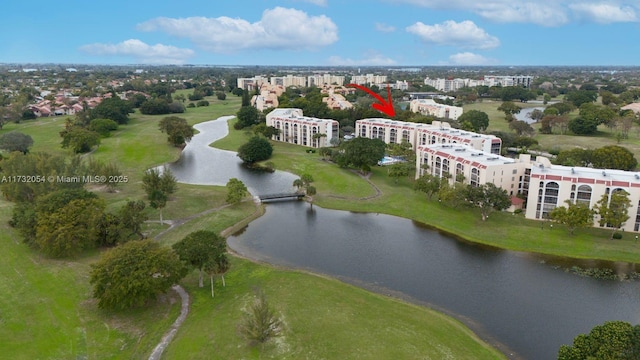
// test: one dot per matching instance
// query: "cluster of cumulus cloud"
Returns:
(291, 29)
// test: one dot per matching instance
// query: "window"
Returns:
(549, 200)
(475, 177)
(304, 135)
(405, 135)
(584, 195)
(393, 134)
(363, 131)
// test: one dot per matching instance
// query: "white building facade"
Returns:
(295, 128)
(430, 107)
(391, 131)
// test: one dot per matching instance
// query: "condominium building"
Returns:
(545, 186)
(391, 131)
(251, 83)
(551, 185)
(369, 79)
(448, 85)
(295, 128)
(325, 79)
(289, 80)
(459, 162)
(430, 107)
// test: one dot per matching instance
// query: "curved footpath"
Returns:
(156, 354)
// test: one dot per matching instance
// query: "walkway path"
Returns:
(366, 178)
(184, 296)
(168, 336)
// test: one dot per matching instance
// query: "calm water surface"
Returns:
(512, 299)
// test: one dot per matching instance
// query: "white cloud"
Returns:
(541, 12)
(467, 58)
(464, 34)
(373, 60)
(604, 13)
(148, 54)
(316, 2)
(385, 28)
(279, 28)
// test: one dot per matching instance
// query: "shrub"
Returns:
(202, 103)
(260, 323)
(617, 235)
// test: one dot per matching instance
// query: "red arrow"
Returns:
(383, 106)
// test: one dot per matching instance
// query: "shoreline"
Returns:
(474, 327)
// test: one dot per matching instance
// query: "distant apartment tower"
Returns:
(430, 107)
(448, 85)
(369, 79)
(251, 83)
(289, 80)
(417, 134)
(301, 130)
(325, 79)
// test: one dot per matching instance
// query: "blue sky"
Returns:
(322, 32)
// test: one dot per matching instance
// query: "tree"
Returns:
(521, 128)
(614, 340)
(488, 198)
(581, 126)
(113, 108)
(575, 157)
(573, 216)
(236, 191)
(200, 249)
(256, 149)
(71, 229)
(361, 153)
(158, 186)
(247, 116)
(131, 216)
(428, 184)
(479, 120)
(536, 115)
(134, 273)
(509, 108)
(177, 129)
(103, 126)
(614, 210)
(260, 322)
(79, 140)
(155, 107)
(16, 141)
(398, 170)
(613, 157)
(579, 97)
(221, 95)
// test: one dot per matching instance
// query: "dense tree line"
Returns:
(56, 215)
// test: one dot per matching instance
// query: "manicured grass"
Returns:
(324, 319)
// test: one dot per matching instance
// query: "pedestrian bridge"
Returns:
(281, 197)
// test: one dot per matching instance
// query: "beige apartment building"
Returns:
(430, 107)
(475, 167)
(295, 128)
(395, 132)
(551, 185)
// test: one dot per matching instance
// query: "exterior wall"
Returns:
(442, 132)
(425, 134)
(388, 131)
(298, 129)
(551, 185)
(477, 167)
(430, 107)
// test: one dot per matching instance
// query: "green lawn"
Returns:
(324, 319)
